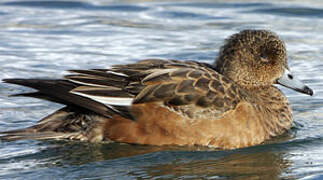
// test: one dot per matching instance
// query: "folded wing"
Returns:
(184, 86)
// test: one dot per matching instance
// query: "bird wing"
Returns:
(188, 87)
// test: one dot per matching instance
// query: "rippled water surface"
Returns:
(45, 38)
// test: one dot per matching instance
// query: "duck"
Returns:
(232, 103)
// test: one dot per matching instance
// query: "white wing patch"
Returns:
(118, 101)
(117, 73)
(86, 84)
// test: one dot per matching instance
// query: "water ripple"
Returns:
(292, 12)
(73, 5)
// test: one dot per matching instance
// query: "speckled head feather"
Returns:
(252, 58)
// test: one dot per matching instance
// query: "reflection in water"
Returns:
(260, 165)
(79, 153)
(170, 162)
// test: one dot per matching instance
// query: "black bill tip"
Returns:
(308, 91)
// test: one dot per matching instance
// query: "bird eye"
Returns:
(290, 76)
(263, 56)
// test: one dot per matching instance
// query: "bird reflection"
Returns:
(173, 162)
(259, 165)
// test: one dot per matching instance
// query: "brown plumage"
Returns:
(230, 104)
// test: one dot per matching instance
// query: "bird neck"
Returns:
(275, 108)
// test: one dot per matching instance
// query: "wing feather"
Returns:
(187, 85)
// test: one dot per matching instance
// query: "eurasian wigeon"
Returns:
(232, 103)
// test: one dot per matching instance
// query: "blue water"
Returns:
(45, 38)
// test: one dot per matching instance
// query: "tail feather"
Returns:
(14, 135)
(66, 123)
(39, 95)
(60, 91)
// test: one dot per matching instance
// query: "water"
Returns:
(45, 38)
